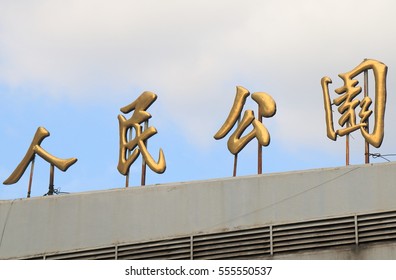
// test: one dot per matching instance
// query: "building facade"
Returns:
(333, 213)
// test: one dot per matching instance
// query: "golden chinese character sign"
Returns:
(35, 148)
(348, 102)
(131, 148)
(236, 142)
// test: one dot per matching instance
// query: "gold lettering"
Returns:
(35, 148)
(347, 103)
(130, 149)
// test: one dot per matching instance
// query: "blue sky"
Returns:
(71, 65)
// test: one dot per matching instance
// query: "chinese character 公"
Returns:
(267, 108)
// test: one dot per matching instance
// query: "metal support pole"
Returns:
(236, 155)
(260, 148)
(347, 149)
(127, 180)
(235, 165)
(129, 154)
(143, 178)
(366, 144)
(51, 181)
(31, 177)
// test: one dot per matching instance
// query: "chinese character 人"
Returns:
(36, 149)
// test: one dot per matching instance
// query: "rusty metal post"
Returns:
(235, 165)
(236, 155)
(51, 181)
(127, 180)
(143, 178)
(31, 177)
(347, 149)
(260, 148)
(366, 144)
(129, 154)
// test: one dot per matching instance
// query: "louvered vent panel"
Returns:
(313, 234)
(241, 244)
(252, 243)
(377, 227)
(34, 258)
(107, 253)
(171, 249)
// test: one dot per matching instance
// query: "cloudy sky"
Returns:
(70, 66)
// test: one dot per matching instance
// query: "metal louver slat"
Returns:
(280, 231)
(373, 227)
(313, 234)
(377, 227)
(240, 243)
(231, 234)
(107, 253)
(377, 221)
(381, 234)
(239, 254)
(236, 240)
(385, 237)
(324, 234)
(234, 244)
(164, 253)
(236, 247)
(34, 258)
(378, 216)
(152, 247)
(299, 247)
(157, 255)
(165, 249)
(316, 223)
(317, 240)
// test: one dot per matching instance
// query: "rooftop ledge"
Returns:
(138, 214)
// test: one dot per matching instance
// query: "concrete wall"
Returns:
(93, 219)
(384, 251)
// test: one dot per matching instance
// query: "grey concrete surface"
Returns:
(43, 225)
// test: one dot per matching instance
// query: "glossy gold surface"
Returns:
(36, 149)
(130, 149)
(347, 103)
(327, 106)
(235, 112)
(267, 105)
(267, 108)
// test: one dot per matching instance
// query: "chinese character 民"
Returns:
(131, 148)
(347, 103)
(35, 148)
